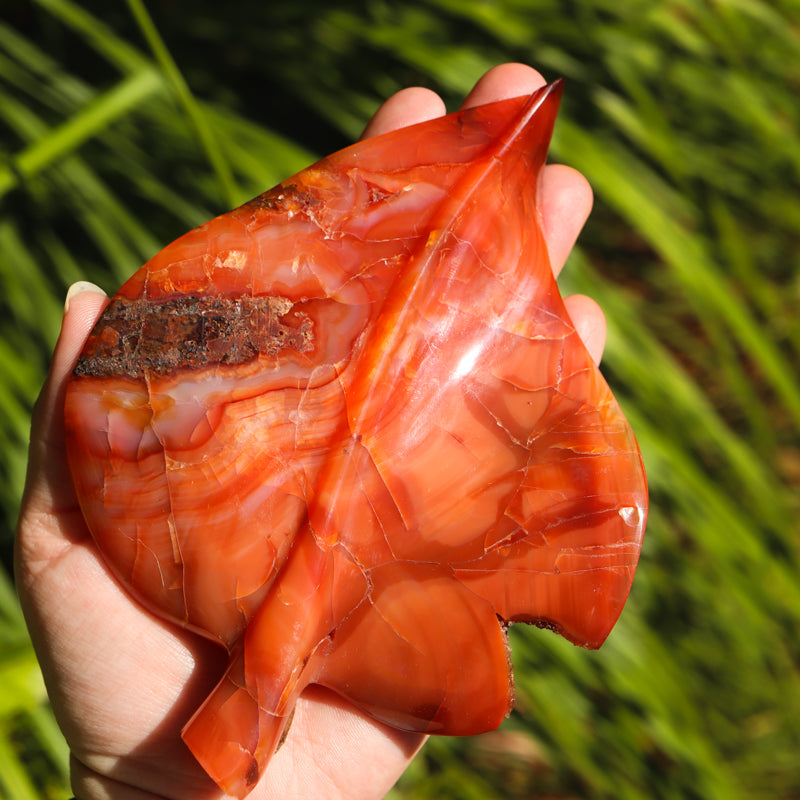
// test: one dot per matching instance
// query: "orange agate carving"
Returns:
(349, 431)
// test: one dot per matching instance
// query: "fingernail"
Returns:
(78, 288)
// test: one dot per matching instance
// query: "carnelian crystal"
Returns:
(349, 431)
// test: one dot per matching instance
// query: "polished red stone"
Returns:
(349, 431)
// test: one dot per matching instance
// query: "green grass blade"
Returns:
(96, 33)
(98, 115)
(198, 118)
(13, 775)
(642, 202)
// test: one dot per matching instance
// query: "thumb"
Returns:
(47, 486)
(83, 305)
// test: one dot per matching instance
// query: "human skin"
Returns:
(123, 682)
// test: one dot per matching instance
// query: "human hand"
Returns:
(123, 682)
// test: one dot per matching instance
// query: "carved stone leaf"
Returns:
(349, 431)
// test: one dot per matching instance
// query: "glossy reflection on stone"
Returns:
(349, 431)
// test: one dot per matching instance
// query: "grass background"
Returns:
(119, 131)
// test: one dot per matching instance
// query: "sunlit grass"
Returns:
(118, 134)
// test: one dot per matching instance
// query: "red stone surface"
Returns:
(348, 430)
